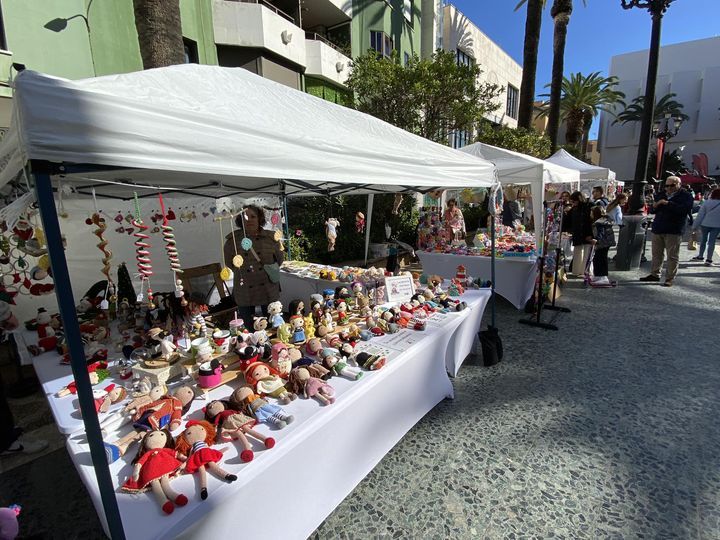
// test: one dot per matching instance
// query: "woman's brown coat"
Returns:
(252, 287)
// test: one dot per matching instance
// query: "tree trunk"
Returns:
(159, 32)
(575, 127)
(533, 23)
(561, 11)
(587, 123)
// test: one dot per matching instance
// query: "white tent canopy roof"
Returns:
(190, 125)
(587, 171)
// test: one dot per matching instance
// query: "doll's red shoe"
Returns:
(269, 442)
(181, 500)
(379, 363)
(246, 456)
(168, 507)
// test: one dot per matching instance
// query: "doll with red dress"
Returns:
(232, 425)
(155, 464)
(195, 443)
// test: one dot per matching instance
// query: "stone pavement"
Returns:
(605, 429)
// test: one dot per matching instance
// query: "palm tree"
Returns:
(664, 106)
(560, 12)
(533, 22)
(582, 99)
(159, 32)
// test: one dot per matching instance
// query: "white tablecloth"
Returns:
(514, 276)
(465, 339)
(319, 458)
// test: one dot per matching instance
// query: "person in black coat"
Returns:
(672, 210)
(580, 226)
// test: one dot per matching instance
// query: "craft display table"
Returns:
(514, 276)
(321, 456)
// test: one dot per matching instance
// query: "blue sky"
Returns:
(597, 32)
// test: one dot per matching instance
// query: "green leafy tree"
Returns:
(672, 163)
(526, 141)
(664, 106)
(582, 99)
(429, 97)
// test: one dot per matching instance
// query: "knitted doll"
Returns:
(296, 307)
(246, 400)
(301, 381)
(313, 347)
(155, 464)
(267, 382)
(298, 327)
(280, 359)
(342, 308)
(368, 361)
(275, 314)
(233, 425)
(338, 367)
(109, 395)
(195, 443)
(309, 327)
(331, 226)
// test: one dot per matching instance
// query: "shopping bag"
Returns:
(491, 344)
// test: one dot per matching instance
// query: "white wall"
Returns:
(692, 71)
(498, 67)
(323, 61)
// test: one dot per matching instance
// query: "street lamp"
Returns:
(657, 9)
(664, 129)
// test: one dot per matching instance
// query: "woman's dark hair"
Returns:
(451, 201)
(259, 212)
(715, 193)
(577, 196)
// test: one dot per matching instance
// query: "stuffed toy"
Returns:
(155, 464)
(342, 315)
(195, 443)
(148, 413)
(368, 361)
(338, 367)
(360, 222)
(98, 373)
(233, 425)
(267, 382)
(309, 327)
(331, 227)
(329, 298)
(300, 380)
(297, 323)
(296, 307)
(246, 400)
(275, 314)
(109, 395)
(9, 526)
(313, 347)
(280, 359)
(284, 332)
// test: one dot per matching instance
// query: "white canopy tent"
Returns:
(202, 131)
(590, 175)
(521, 169)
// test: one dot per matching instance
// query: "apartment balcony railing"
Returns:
(269, 6)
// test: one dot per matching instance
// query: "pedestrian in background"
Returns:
(708, 221)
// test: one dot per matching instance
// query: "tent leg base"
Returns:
(558, 308)
(544, 326)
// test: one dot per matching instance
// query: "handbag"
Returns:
(273, 272)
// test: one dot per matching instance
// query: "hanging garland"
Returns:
(142, 253)
(171, 248)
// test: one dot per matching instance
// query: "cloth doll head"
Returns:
(297, 379)
(297, 322)
(195, 431)
(240, 397)
(154, 439)
(260, 323)
(214, 408)
(274, 308)
(278, 350)
(257, 371)
(186, 395)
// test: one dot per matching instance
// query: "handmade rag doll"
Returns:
(195, 443)
(267, 382)
(233, 425)
(331, 227)
(246, 400)
(338, 367)
(155, 464)
(311, 387)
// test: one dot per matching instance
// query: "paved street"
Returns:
(605, 429)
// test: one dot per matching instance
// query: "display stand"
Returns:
(552, 231)
(557, 210)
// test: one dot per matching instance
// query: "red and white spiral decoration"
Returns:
(142, 255)
(172, 253)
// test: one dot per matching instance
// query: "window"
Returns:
(191, 51)
(408, 6)
(460, 138)
(382, 43)
(406, 58)
(513, 95)
(463, 58)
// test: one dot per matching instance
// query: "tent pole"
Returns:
(492, 269)
(66, 304)
(283, 199)
(368, 222)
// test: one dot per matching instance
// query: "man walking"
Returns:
(671, 214)
(598, 197)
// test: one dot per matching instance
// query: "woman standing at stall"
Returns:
(257, 280)
(581, 229)
(453, 220)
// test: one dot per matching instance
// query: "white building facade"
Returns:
(692, 71)
(469, 44)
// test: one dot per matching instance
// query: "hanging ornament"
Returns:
(237, 260)
(225, 272)
(142, 254)
(331, 227)
(360, 222)
(246, 244)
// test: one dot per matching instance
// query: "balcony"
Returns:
(325, 60)
(258, 24)
(6, 60)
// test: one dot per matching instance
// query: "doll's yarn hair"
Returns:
(211, 417)
(184, 447)
(294, 305)
(241, 406)
(294, 384)
(169, 443)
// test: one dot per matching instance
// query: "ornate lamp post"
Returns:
(657, 9)
(664, 130)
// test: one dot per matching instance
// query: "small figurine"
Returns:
(313, 347)
(296, 307)
(342, 312)
(327, 320)
(301, 381)
(329, 298)
(338, 367)
(109, 395)
(268, 382)
(309, 327)
(360, 222)
(342, 293)
(195, 443)
(275, 314)
(233, 425)
(155, 464)
(280, 359)
(284, 333)
(368, 361)
(298, 327)
(246, 400)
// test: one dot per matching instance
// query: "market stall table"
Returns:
(320, 457)
(514, 276)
